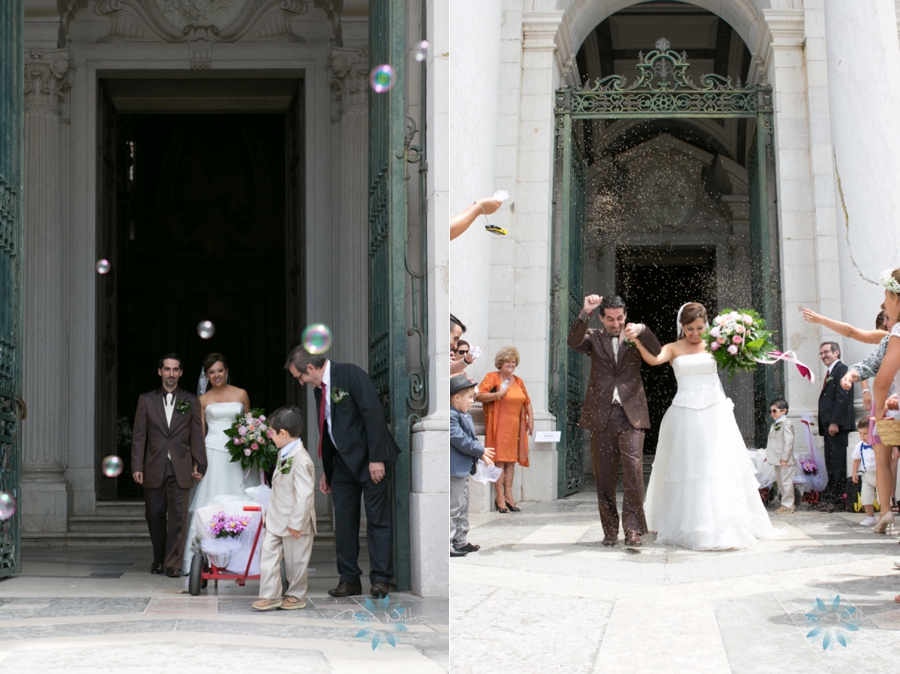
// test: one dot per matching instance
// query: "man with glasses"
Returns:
(835, 423)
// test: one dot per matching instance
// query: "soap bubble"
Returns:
(316, 338)
(112, 466)
(103, 266)
(7, 505)
(206, 329)
(423, 51)
(381, 78)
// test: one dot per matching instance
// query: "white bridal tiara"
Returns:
(889, 282)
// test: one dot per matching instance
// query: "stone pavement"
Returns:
(543, 595)
(99, 610)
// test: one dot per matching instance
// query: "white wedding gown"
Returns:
(224, 480)
(703, 492)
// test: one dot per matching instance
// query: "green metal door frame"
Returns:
(12, 133)
(388, 242)
(663, 89)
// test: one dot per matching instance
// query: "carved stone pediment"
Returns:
(200, 20)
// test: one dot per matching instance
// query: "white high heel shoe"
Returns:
(885, 524)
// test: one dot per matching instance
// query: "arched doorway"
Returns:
(662, 197)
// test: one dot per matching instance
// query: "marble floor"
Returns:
(542, 595)
(100, 611)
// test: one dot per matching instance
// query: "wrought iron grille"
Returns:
(663, 88)
(388, 233)
(11, 134)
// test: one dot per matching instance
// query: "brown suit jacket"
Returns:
(153, 439)
(607, 374)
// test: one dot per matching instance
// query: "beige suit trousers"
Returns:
(785, 479)
(296, 553)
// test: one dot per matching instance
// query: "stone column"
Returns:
(862, 49)
(349, 81)
(45, 500)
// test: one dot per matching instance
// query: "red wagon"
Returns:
(203, 570)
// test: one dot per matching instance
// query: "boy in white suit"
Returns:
(780, 453)
(290, 517)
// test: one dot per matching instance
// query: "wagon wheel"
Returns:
(196, 574)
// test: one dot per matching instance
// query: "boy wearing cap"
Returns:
(465, 450)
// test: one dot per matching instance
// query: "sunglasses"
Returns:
(462, 352)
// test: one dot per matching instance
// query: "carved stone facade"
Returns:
(48, 76)
(192, 20)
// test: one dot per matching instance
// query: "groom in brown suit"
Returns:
(615, 412)
(167, 452)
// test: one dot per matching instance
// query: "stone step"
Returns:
(107, 523)
(116, 508)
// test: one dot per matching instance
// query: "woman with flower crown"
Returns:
(224, 480)
(703, 492)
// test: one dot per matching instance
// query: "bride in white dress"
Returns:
(703, 492)
(224, 480)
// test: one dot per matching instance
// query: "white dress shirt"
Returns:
(326, 379)
(170, 408)
(615, 346)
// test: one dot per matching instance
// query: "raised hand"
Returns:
(591, 302)
(633, 331)
(811, 316)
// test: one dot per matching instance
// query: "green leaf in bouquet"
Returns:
(756, 343)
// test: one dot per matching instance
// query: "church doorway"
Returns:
(200, 238)
(200, 221)
(654, 156)
(655, 282)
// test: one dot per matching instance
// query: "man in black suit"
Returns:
(835, 423)
(355, 445)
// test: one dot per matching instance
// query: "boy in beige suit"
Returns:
(290, 517)
(780, 453)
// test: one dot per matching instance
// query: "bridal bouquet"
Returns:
(738, 340)
(249, 441)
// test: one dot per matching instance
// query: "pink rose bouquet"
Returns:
(249, 442)
(744, 332)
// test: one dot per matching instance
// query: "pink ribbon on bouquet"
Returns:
(789, 357)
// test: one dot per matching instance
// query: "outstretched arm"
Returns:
(845, 329)
(460, 222)
(664, 356)
(578, 338)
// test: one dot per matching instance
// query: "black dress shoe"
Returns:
(468, 547)
(156, 568)
(172, 572)
(380, 589)
(457, 553)
(345, 590)
(632, 539)
(610, 541)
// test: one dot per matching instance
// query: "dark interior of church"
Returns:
(655, 282)
(200, 237)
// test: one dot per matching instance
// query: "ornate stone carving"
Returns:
(205, 20)
(350, 76)
(48, 75)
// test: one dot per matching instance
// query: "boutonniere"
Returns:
(778, 425)
(829, 378)
(183, 406)
(286, 464)
(627, 342)
(338, 395)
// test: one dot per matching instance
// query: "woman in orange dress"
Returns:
(508, 420)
